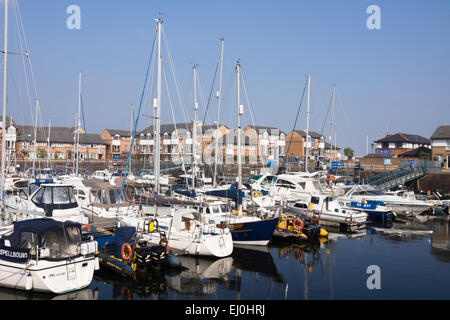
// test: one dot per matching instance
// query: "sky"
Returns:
(388, 80)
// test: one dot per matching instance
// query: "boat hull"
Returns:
(257, 233)
(49, 276)
(216, 245)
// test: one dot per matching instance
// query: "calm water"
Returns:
(413, 265)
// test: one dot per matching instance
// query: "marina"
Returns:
(212, 210)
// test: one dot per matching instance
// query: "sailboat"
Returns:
(41, 254)
(186, 231)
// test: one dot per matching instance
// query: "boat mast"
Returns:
(131, 132)
(35, 135)
(307, 123)
(3, 164)
(219, 94)
(48, 144)
(194, 129)
(332, 122)
(157, 106)
(240, 111)
(77, 151)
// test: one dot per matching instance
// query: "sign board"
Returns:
(17, 255)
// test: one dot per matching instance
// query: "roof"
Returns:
(379, 155)
(123, 133)
(57, 135)
(328, 146)
(313, 134)
(442, 132)
(415, 152)
(39, 226)
(404, 137)
(169, 128)
(9, 121)
(265, 128)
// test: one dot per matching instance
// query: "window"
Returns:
(47, 196)
(29, 240)
(315, 200)
(285, 184)
(62, 242)
(61, 195)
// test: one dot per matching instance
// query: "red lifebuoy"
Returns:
(296, 222)
(163, 242)
(126, 251)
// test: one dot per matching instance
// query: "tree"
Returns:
(348, 153)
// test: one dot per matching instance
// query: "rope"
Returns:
(295, 124)
(175, 124)
(135, 126)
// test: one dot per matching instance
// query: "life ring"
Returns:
(296, 221)
(164, 243)
(86, 226)
(297, 254)
(126, 251)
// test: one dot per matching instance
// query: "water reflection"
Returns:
(201, 275)
(440, 240)
(11, 294)
(331, 269)
(144, 284)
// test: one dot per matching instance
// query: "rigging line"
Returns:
(295, 122)
(210, 92)
(248, 100)
(172, 68)
(176, 129)
(18, 73)
(26, 50)
(346, 119)
(85, 132)
(136, 124)
(318, 95)
(326, 116)
(16, 11)
(202, 95)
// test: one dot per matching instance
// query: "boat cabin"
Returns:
(43, 238)
(50, 197)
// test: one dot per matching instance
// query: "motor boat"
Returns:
(55, 200)
(400, 203)
(187, 233)
(285, 188)
(245, 229)
(46, 255)
(330, 211)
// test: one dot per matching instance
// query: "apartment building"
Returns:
(440, 146)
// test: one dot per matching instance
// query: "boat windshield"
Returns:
(108, 196)
(367, 191)
(62, 242)
(254, 179)
(61, 196)
(317, 185)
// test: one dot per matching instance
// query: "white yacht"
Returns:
(187, 233)
(330, 211)
(399, 203)
(287, 187)
(46, 255)
(52, 200)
